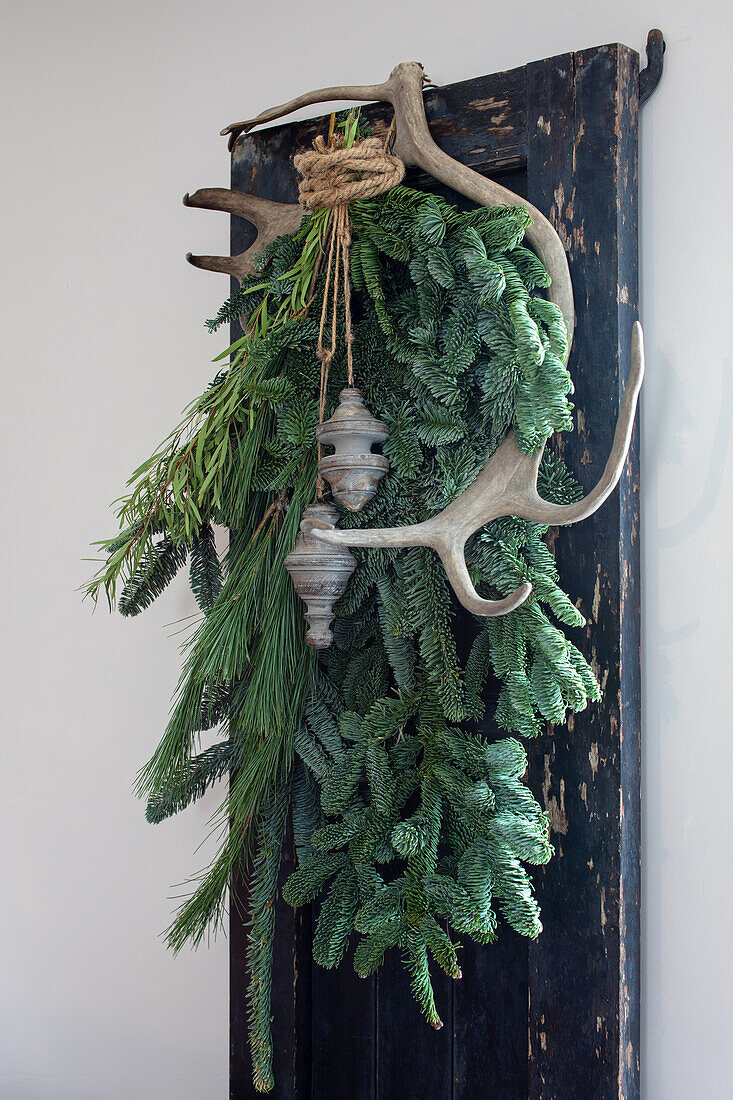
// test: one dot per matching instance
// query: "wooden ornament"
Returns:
(352, 471)
(320, 574)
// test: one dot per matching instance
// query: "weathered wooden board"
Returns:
(583, 973)
(555, 1020)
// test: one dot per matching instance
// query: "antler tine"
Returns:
(542, 511)
(439, 534)
(454, 563)
(238, 267)
(362, 92)
(270, 219)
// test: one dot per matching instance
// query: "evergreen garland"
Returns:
(410, 826)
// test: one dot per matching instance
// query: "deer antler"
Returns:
(506, 486)
(270, 219)
(415, 146)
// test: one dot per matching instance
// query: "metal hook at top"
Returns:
(652, 74)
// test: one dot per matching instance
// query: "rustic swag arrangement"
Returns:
(372, 315)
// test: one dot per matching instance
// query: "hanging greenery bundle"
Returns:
(410, 825)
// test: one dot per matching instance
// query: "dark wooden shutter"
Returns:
(557, 1019)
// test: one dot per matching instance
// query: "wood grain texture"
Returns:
(343, 1032)
(412, 1057)
(555, 1020)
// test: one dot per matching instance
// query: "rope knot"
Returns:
(335, 176)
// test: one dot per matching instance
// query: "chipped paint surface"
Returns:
(596, 596)
(555, 807)
(489, 104)
(593, 757)
(580, 772)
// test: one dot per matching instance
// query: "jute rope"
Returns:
(332, 177)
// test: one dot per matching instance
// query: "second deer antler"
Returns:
(506, 486)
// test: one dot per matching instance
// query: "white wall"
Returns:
(110, 111)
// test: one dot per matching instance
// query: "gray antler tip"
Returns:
(637, 355)
(518, 597)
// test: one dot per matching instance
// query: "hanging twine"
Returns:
(332, 177)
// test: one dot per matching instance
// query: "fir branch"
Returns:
(152, 575)
(205, 569)
(260, 937)
(199, 774)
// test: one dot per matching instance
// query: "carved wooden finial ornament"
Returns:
(320, 573)
(352, 471)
